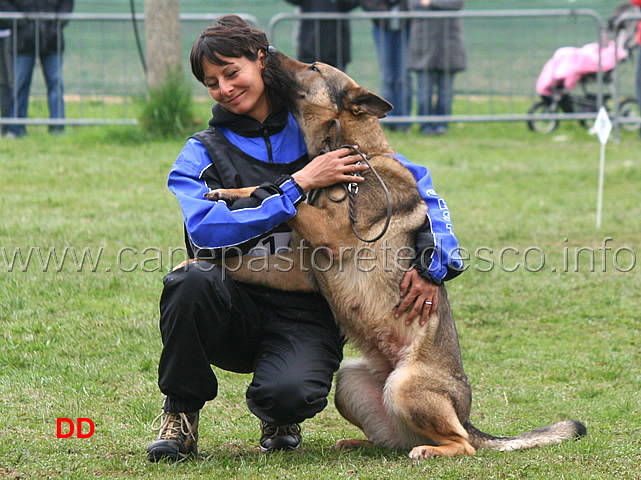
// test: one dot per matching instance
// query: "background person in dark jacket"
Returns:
(48, 49)
(436, 53)
(326, 41)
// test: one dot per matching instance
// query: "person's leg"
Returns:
(6, 80)
(52, 70)
(380, 36)
(401, 80)
(385, 40)
(299, 353)
(396, 56)
(23, 73)
(426, 92)
(204, 320)
(391, 48)
(403, 73)
(445, 90)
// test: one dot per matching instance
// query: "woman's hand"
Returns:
(330, 168)
(420, 294)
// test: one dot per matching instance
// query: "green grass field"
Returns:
(541, 341)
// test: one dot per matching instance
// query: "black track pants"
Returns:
(289, 341)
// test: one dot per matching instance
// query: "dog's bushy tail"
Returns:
(551, 434)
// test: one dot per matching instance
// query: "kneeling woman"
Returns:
(289, 341)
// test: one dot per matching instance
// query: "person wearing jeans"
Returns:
(48, 49)
(428, 83)
(52, 71)
(6, 76)
(391, 38)
(436, 54)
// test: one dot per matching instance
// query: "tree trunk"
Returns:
(162, 39)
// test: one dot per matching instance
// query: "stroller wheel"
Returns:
(543, 125)
(629, 108)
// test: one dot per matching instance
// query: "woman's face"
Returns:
(238, 85)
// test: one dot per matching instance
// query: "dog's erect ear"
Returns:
(360, 100)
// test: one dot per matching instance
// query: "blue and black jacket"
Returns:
(237, 151)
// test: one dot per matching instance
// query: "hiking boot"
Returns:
(285, 437)
(177, 436)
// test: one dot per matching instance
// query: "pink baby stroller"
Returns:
(572, 66)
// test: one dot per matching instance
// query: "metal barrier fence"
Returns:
(506, 51)
(104, 79)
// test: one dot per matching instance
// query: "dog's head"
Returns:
(318, 94)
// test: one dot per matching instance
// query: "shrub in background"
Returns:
(168, 112)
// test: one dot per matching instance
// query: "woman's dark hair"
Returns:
(228, 36)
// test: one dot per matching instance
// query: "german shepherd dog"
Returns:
(408, 390)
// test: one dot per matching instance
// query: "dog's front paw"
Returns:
(214, 195)
(423, 451)
(222, 194)
(229, 195)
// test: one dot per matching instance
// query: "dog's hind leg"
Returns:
(359, 399)
(283, 271)
(427, 405)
